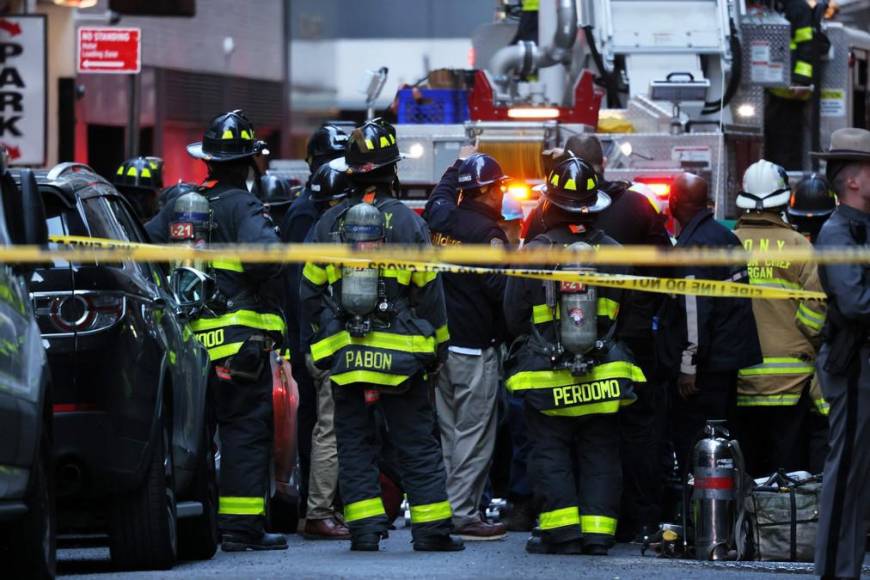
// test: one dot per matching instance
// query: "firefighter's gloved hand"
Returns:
(686, 386)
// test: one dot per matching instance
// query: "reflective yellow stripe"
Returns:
(121, 170)
(792, 45)
(227, 134)
(778, 366)
(531, 5)
(803, 34)
(401, 342)
(543, 313)
(131, 172)
(224, 350)
(442, 334)
(803, 68)
(823, 407)
(598, 525)
(246, 135)
(560, 518)
(145, 172)
(242, 506)
(367, 508)
(403, 277)
(247, 318)
(582, 409)
(548, 379)
(775, 283)
(371, 377)
(809, 317)
(231, 265)
(314, 274)
(608, 308)
(784, 400)
(172, 357)
(433, 512)
(422, 278)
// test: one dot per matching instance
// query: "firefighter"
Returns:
(327, 188)
(324, 145)
(785, 108)
(844, 362)
(465, 208)
(380, 331)
(139, 180)
(773, 399)
(810, 205)
(276, 195)
(574, 375)
(239, 329)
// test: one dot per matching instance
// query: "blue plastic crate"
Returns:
(435, 106)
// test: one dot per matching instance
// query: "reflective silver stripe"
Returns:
(686, 364)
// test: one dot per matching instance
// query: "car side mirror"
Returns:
(191, 289)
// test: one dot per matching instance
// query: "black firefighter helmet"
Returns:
(372, 146)
(140, 173)
(229, 137)
(573, 186)
(325, 144)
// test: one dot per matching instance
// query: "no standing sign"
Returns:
(109, 50)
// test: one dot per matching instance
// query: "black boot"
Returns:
(445, 543)
(522, 516)
(536, 545)
(365, 542)
(239, 542)
(595, 550)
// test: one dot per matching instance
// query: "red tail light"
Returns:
(661, 186)
(79, 312)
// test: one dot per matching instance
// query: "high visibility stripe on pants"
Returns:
(604, 525)
(569, 516)
(810, 318)
(433, 512)
(782, 400)
(242, 506)
(782, 365)
(367, 508)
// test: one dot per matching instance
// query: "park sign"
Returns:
(109, 50)
(23, 85)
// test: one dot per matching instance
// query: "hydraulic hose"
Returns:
(611, 86)
(711, 107)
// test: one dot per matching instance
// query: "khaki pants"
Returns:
(466, 403)
(323, 479)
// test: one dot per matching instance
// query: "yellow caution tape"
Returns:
(89, 249)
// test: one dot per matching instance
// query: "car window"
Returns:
(61, 220)
(134, 234)
(102, 221)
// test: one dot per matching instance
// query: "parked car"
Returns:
(27, 515)
(133, 431)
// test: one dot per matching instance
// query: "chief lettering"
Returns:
(603, 390)
(370, 360)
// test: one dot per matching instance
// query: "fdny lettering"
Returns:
(388, 220)
(439, 239)
(586, 393)
(764, 269)
(369, 360)
(211, 338)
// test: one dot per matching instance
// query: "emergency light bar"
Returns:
(533, 113)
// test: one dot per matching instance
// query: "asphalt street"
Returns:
(501, 559)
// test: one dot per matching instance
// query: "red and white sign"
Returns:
(110, 50)
(23, 88)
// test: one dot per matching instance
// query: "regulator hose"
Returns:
(711, 107)
(610, 83)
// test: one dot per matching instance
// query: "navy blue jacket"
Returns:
(474, 302)
(699, 334)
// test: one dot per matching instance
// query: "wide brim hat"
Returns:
(847, 145)
(195, 150)
(602, 201)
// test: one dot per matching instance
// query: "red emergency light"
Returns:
(660, 185)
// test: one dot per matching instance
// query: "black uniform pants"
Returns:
(715, 399)
(410, 426)
(774, 437)
(641, 429)
(245, 428)
(582, 506)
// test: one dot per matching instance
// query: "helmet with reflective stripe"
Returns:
(765, 186)
(325, 144)
(372, 146)
(330, 182)
(573, 186)
(478, 171)
(229, 137)
(812, 197)
(141, 173)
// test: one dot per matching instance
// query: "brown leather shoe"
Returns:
(482, 531)
(325, 529)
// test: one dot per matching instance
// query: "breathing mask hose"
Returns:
(611, 85)
(711, 107)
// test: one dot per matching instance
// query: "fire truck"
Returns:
(667, 85)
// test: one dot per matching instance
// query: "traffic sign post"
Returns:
(109, 50)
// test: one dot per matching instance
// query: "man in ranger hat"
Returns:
(573, 373)
(240, 328)
(844, 361)
(379, 332)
